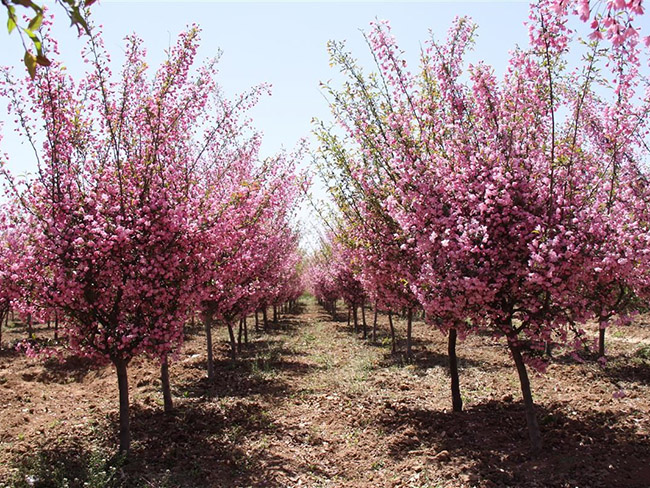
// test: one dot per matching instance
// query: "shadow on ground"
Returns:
(601, 447)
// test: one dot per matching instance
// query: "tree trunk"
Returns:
(257, 321)
(349, 315)
(374, 324)
(265, 319)
(56, 325)
(207, 321)
(245, 331)
(30, 330)
(355, 317)
(456, 400)
(409, 329)
(123, 387)
(392, 333)
(233, 344)
(3, 317)
(166, 390)
(601, 342)
(275, 314)
(363, 319)
(531, 419)
(240, 334)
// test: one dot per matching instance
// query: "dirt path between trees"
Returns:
(310, 403)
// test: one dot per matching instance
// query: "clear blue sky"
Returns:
(281, 43)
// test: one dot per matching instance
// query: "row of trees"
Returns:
(150, 204)
(517, 206)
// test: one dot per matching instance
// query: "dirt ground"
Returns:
(312, 404)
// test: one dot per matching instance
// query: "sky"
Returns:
(281, 43)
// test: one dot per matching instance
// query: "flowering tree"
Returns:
(111, 211)
(510, 203)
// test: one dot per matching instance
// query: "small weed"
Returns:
(643, 352)
(48, 469)
(309, 338)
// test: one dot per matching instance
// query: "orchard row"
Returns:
(150, 204)
(517, 206)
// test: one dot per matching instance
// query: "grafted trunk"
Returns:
(166, 389)
(207, 321)
(456, 400)
(123, 387)
(534, 433)
(409, 330)
(392, 333)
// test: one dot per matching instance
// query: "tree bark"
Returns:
(349, 315)
(207, 321)
(123, 387)
(363, 319)
(240, 334)
(409, 329)
(601, 343)
(534, 433)
(245, 331)
(233, 343)
(392, 333)
(374, 324)
(265, 319)
(275, 314)
(355, 317)
(257, 321)
(166, 389)
(456, 400)
(30, 330)
(3, 316)
(56, 325)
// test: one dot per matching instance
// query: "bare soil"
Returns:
(312, 404)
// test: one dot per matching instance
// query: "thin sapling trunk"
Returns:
(531, 419)
(123, 387)
(207, 321)
(392, 332)
(456, 400)
(166, 389)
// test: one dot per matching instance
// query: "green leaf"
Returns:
(36, 22)
(30, 63)
(77, 19)
(11, 24)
